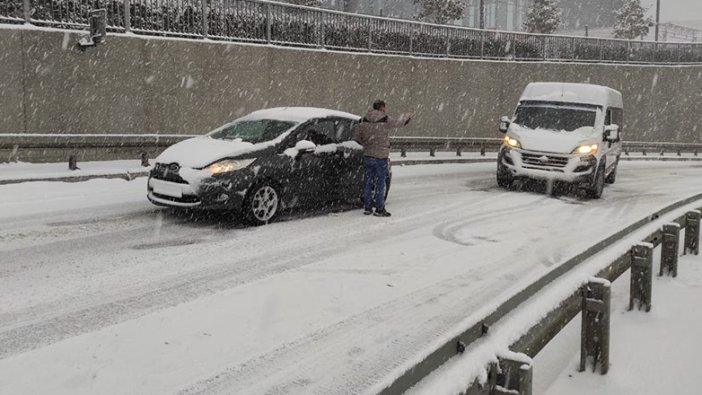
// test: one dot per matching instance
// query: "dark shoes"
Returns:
(381, 213)
(367, 211)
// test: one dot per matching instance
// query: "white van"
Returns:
(563, 132)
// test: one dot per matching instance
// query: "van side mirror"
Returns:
(504, 124)
(611, 133)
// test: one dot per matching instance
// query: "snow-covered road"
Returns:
(101, 293)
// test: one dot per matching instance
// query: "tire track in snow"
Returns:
(31, 331)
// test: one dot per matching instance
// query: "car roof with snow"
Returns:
(563, 92)
(297, 114)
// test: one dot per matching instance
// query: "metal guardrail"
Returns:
(18, 141)
(594, 335)
(270, 22)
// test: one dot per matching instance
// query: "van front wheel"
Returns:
(597, 187)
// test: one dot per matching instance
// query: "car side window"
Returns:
(320, 132)
(608, 117)
(344, 130)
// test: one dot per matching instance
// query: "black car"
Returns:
(265, 162)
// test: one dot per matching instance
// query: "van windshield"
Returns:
(555, 118)
(254, 131)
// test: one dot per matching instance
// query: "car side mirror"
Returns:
(305, 147)
(504, 124)
(612, 133)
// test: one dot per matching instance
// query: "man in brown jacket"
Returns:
(372, 134)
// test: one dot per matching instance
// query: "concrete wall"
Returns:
(138, 85)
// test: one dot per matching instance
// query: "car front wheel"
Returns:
(262, 204)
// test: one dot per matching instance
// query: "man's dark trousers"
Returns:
(375, 173)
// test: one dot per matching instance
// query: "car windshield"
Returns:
(555, 118)
(254, 131)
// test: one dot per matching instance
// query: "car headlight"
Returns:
(512, 142)
(587, 149)
(228, 165)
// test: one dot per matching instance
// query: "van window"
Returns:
(555, 117)
(617, 117)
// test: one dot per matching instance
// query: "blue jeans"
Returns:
(375, 173)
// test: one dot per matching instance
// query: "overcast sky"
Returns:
(676, 10)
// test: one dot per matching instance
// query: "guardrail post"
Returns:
(204, 19)
(662, 152)
(482, 44)
(411, 39)
(72, 163)
(669, 249)
(626, 151)
(127, 16)
(643, 152)
(403, 152)
(322, 30)
(370, 35)
(459, 152)
(268, 23)
(27, 10)
(511, 376)
(145, 159)
(448, 42)
(692, 233)
(594, 336)
(482, 150)
(432, 152)
(641, 275)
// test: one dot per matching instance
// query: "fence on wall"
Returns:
(269, 22)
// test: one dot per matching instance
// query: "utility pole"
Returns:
(482, 14)
(658, 16)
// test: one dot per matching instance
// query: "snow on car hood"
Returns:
(201, 151)
(544, 140)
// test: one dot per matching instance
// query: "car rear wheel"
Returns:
(262, 204)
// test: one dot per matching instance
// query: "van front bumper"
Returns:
(519, 163)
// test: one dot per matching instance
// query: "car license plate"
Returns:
(167, 188)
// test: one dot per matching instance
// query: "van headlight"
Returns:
(228, 165)
(587, 149)
(512, 142)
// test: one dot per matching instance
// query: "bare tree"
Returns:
(543, 17)
(632, 21)
(440, 11)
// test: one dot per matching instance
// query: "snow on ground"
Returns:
(104, 293)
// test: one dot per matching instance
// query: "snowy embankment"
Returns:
(100, 292)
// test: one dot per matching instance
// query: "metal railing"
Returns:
(592, 299)
(285, 24)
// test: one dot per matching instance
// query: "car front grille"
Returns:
(544, 162)
(167, 172)
(184, 199)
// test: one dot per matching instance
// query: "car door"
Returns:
(308, 174)
(350, 174)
